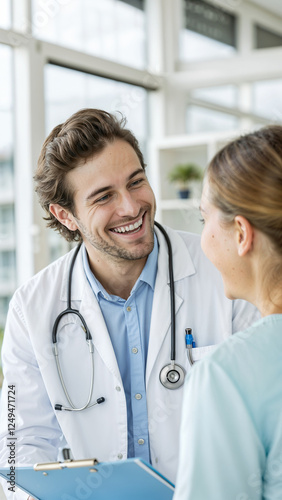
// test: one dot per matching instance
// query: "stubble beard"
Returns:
(114, 251)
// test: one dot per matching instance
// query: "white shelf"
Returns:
(166, 152)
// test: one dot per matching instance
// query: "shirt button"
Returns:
(120, 456)
(118, 388)
(128, 309)
(141, 441)
(134, 350)
(138, 396)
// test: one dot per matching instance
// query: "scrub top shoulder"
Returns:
(231, 431)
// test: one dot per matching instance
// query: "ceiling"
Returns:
(271, 5)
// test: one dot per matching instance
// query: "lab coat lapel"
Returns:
(101, 339)
(161, 315)
(83, 298)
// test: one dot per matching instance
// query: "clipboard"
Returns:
(93, 480)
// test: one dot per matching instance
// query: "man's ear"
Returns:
(244, 235)
(64, 216)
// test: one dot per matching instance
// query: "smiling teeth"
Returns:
(126, 229)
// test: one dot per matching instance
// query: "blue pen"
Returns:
(190, 343)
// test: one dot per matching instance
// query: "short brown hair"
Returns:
(82, 136)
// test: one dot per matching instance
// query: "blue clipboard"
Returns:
(126, 480)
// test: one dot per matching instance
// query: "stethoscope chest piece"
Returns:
(172, 376)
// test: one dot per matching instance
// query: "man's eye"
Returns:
(104, 198)
(135, 183)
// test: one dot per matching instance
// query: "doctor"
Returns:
(92, 183)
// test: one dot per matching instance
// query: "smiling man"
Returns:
(95, 325)
(114, 210)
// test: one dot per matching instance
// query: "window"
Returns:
(209, 32)
(224, 95)
(5, 14)
(7, 239)
(67, 91)
(265, 39)
(5, 103)
(267, 99)
(7, 222)
(7, 281)
(200, 119)
(113, 29)
(6, 173)
(7, 266)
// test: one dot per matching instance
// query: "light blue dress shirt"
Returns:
(231, 431)
(128, 323)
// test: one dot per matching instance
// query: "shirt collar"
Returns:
(148, 274)
(149, 271)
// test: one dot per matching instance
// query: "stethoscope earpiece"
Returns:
(172, 376)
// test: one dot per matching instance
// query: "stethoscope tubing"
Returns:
(172, 290)
(69, 309)
(87, 404)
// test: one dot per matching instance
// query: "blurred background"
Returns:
(189, 75)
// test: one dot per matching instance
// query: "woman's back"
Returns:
(235, 398)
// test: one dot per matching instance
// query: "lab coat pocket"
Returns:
(199, 353)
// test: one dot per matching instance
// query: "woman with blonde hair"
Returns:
(231, 434)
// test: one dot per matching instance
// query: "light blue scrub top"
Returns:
(231, 431)
(128, 323)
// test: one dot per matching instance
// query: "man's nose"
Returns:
(127, 205)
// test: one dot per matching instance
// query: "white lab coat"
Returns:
(101, 431)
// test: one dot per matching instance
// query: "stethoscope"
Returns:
(70, 310)
(172, 375)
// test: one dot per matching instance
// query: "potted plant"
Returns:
(182, 174)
